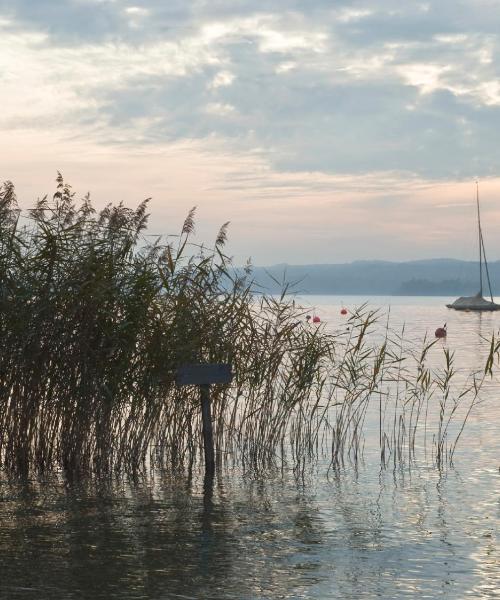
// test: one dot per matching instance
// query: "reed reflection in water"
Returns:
(356, 535)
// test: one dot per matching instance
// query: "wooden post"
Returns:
(208, 438)
(203, 376)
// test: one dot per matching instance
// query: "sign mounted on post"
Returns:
(203, 374)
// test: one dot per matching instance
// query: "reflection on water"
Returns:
(355, 533)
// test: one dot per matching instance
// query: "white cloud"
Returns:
(222, 79)
(273, 40)
(220, 109)
(42, 83)
(348, 15)
(284, 67)
(457, 38)
(427, 77)
(489, 91)
(137, 10)
(136, 16)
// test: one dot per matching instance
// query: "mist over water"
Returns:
(360, 531)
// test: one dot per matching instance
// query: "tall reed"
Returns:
(95, 320)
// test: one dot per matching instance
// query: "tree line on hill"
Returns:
(434, 277)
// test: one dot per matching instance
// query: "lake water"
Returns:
(360, 532)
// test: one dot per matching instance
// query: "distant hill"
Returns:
(436, 277)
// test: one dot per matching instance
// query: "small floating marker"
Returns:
(343, 311)
(441, 332)
(316, 319)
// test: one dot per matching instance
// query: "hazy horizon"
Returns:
(324, 133)
(375, 260)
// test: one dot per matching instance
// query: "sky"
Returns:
(324, 131)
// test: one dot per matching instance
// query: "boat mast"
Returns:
(486, 266)
(480, 240)
(482, 251)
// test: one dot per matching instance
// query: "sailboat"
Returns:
(477, 302)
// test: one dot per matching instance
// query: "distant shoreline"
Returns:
(433, 277)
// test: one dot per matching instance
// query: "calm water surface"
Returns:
(359, 533)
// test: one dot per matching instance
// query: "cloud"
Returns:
(221, 79)
(352, 88)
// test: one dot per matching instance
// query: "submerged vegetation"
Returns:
(95, 320)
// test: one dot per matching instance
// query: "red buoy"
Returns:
(440, 332)
(316, 319)
(343, 311)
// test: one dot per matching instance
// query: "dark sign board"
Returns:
(203, 374)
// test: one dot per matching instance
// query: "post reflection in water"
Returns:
(350, 533)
